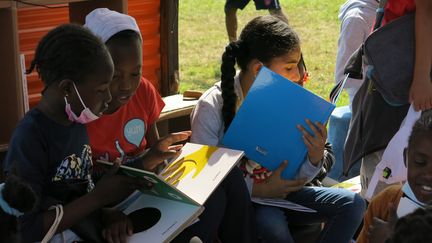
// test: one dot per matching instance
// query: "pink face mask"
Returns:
(86, 115)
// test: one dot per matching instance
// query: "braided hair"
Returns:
(69, 51)
(263, 38)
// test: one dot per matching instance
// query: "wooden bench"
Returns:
(175, 116)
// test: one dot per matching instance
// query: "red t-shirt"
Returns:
(397, 8)
(122, 133)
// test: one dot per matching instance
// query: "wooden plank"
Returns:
(5, 4)
(11, 93)
(175, 107)
(79, 10)
(169, 47)
(35, 3)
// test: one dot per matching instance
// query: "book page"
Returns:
(199, 169)
(157, 219)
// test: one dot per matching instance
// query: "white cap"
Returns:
(105, 23)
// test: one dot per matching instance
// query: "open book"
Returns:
(265, 126)
(179, 192)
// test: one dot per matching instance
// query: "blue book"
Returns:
(265, 126)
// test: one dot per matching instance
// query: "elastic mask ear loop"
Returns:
(79, 96)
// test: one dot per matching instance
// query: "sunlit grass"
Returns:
(202, 38)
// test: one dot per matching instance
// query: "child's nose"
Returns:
(108, 96)
(297, 74)
(125, 85)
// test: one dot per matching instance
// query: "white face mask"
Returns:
(86, 115)
(408, 202)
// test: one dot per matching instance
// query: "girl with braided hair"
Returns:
(268, 41)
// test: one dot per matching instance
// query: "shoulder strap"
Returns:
(379, 14)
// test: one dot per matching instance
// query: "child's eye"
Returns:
(101, 91)
(419, 162)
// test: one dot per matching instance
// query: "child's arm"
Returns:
(328, 162)
(315, 145)
(421, 87)
(354, 30)
(110, 189)
(206, 124)
(163, 149)
(152, 135)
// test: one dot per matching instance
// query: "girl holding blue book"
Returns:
(267, 41)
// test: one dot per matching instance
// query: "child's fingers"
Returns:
(175, 148)
(295, 183)
(313, 128)
(305, 133)
(114, 168)
(281, 168)
(172, 152)
(108, 236)
(129, 227)
(308, 144)
(322, 129)
(175, 137)
(123, 233)
(116, 235)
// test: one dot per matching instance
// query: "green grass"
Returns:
(202, 38)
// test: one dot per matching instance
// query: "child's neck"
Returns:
(54, 108)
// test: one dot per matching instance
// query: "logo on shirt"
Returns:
(134, 131)
(75, 167)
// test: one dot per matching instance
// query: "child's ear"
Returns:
(256, 66)
(405, 157)
(66, 86)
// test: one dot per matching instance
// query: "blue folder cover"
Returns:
(265, 124)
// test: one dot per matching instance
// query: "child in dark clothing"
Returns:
(50, 143)
(16, 198)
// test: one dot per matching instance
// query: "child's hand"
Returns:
(420, 94)
(113, 188)
(164, 149)
(117, 226)
(276, 187)
(379, 231)
(315, 144)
